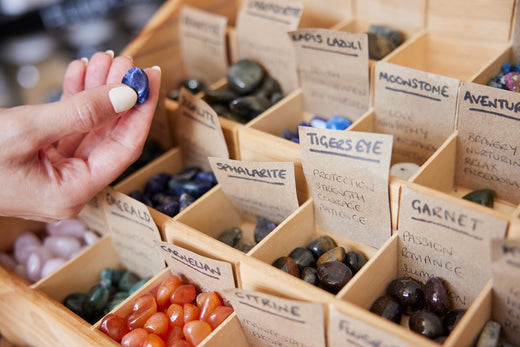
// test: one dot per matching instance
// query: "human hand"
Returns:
(55, 157)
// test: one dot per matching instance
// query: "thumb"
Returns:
(81, 112)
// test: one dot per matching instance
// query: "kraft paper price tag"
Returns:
(93, 215)
(198, 131)
(133, 233)
(417, 107)
(209, 274)
(443, 239)
(488, 146)
(344, 330)
(347, 173)
(270, 46)
(267, 189)
(268, 320)
(516, 30)
(333, 68)
(202, 38)
(505, 256)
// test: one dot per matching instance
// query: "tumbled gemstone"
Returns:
(137, 79)
(114, 326)
(244, 76)
(175, 315)
(196, 331)
(195, 188)
(157, 324)
(170, 208)
(24, 245)
(138, 285)
(436, 296)
(211, 302)
(231, 236)
(97, 298)
(426, 323)
(355, 261)
(310, 275)
(387, 308)
(157, 183)
(275, 97)
(333, 276)
(407, 292)
(222, 96)
(127, 280)
(303, 257)
(178, 343)
(66, 227)
(320, 245)
(183, 294)
(262, 228)
(243, 247)
(36, 262)
(287, 264)
(166, 289)
(174, 94)
(338, 123)
(111, 276)
(194, 85)
(249, 107)
(175, 333)
(334, 254)
(392, 34)
(153, 340)
(379, 46)
(90, 237)
(62, 246)
(188, 173)
(490, 334)
(7, 261)
(404, 170)
(452, 318)
(219, 315)
(134, 338)
(185, 200)
(74, 302)
(482, 196)
(268, 87)
(144, 307)
(318, 122)
(512, 80)
(191, 312)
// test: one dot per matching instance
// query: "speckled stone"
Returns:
(137, 79)
(490, 334)
(244, 76)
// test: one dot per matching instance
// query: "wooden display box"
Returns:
(461, 39)
(438, 173)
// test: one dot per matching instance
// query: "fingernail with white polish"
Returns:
(84, 60)
(122, 98)
(110, 53)
(156, 67)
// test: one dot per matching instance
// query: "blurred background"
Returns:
(38, 38)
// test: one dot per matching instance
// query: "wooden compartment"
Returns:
(371, 283)
(227, 330)
(297, 231)
(461, 38)
(438, 173)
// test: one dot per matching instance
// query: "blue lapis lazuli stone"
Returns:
(338, 123)
(137, 79)
(506, 67)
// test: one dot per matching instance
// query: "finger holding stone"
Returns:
(120, 66)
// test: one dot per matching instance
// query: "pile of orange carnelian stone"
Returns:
(171, 315)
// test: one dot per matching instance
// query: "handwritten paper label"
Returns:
(133, 233)
(488, 144)
(443, 239)
(515, 35)
(198, 131)
(93, 215)
(270, 46)
(203, 44)
(347, 173)
(347, 331)
(268, 320)
(209, 274)
(505, 257)
(417, 107)
(333, 69)
(267, 189)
